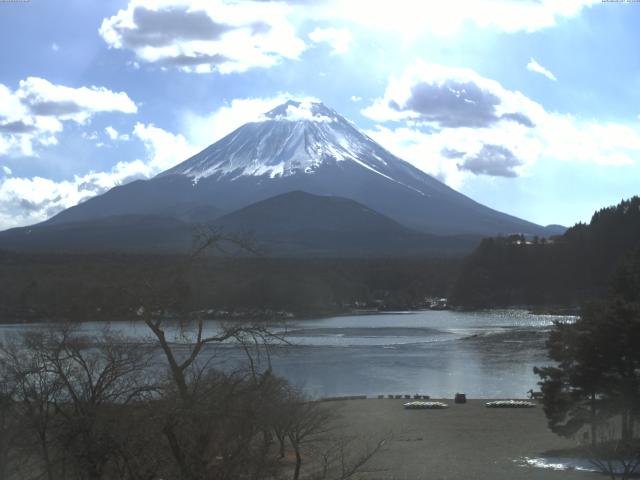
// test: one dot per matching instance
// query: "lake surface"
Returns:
(487, 354)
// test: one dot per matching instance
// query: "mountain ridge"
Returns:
(313, 150)
(291, 224)
(302, 223)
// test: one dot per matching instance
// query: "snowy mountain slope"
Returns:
(292, 139)
(307, 147)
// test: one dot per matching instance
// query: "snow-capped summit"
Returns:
(293, 110)
(293, 138)
(300, 146)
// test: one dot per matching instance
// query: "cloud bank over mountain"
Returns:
(432, 110)
(203, 37)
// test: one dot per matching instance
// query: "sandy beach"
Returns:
(465, 441)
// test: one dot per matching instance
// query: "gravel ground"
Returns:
(465, 441)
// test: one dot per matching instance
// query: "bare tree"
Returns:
(71, 393)
(9, 428)
(307, 421)
(33, 393)
(212, 418)
(99, 377)
(344, 456)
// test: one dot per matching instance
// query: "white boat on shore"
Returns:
(510, 404)
(418, 405)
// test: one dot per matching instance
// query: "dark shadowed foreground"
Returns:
(91, 408)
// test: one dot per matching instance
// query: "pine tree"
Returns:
(597, 375)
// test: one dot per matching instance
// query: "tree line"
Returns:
(565, 270)
(76, 287)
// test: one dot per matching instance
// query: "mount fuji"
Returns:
(296, 147)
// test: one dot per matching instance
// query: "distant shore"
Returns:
(464, 441)
(239, 315)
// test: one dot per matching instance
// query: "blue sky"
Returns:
(530, 107)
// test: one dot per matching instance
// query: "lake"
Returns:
(488, 354)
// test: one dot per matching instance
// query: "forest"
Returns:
(564, 270)
(80, 287)
(559, 272)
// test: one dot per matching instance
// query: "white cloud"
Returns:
(164, 149)
(6, 170)
(303, 111)
(479, 127)
(233, 36)
(338, 39)
(205, 35)
(90, 136)
(205, 130)
(24, 201)
(442, 96)
(537, 68)
(413, 17)
(114, 135)
(55, 47)
(36, 111)
(295, 113)
(44, 98)
(355, 98)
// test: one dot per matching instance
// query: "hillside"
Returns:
(566, 270)
(301, 224)
(294, 224)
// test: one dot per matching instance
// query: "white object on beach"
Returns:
(425, 405)
(510, 404)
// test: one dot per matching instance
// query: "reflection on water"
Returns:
(564, 464)
(487, 354)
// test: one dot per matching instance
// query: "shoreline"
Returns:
(287, 316)
(410, 398)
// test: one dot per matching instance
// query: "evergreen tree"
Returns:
(572, 390)
(597, 375)
(566, 270)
